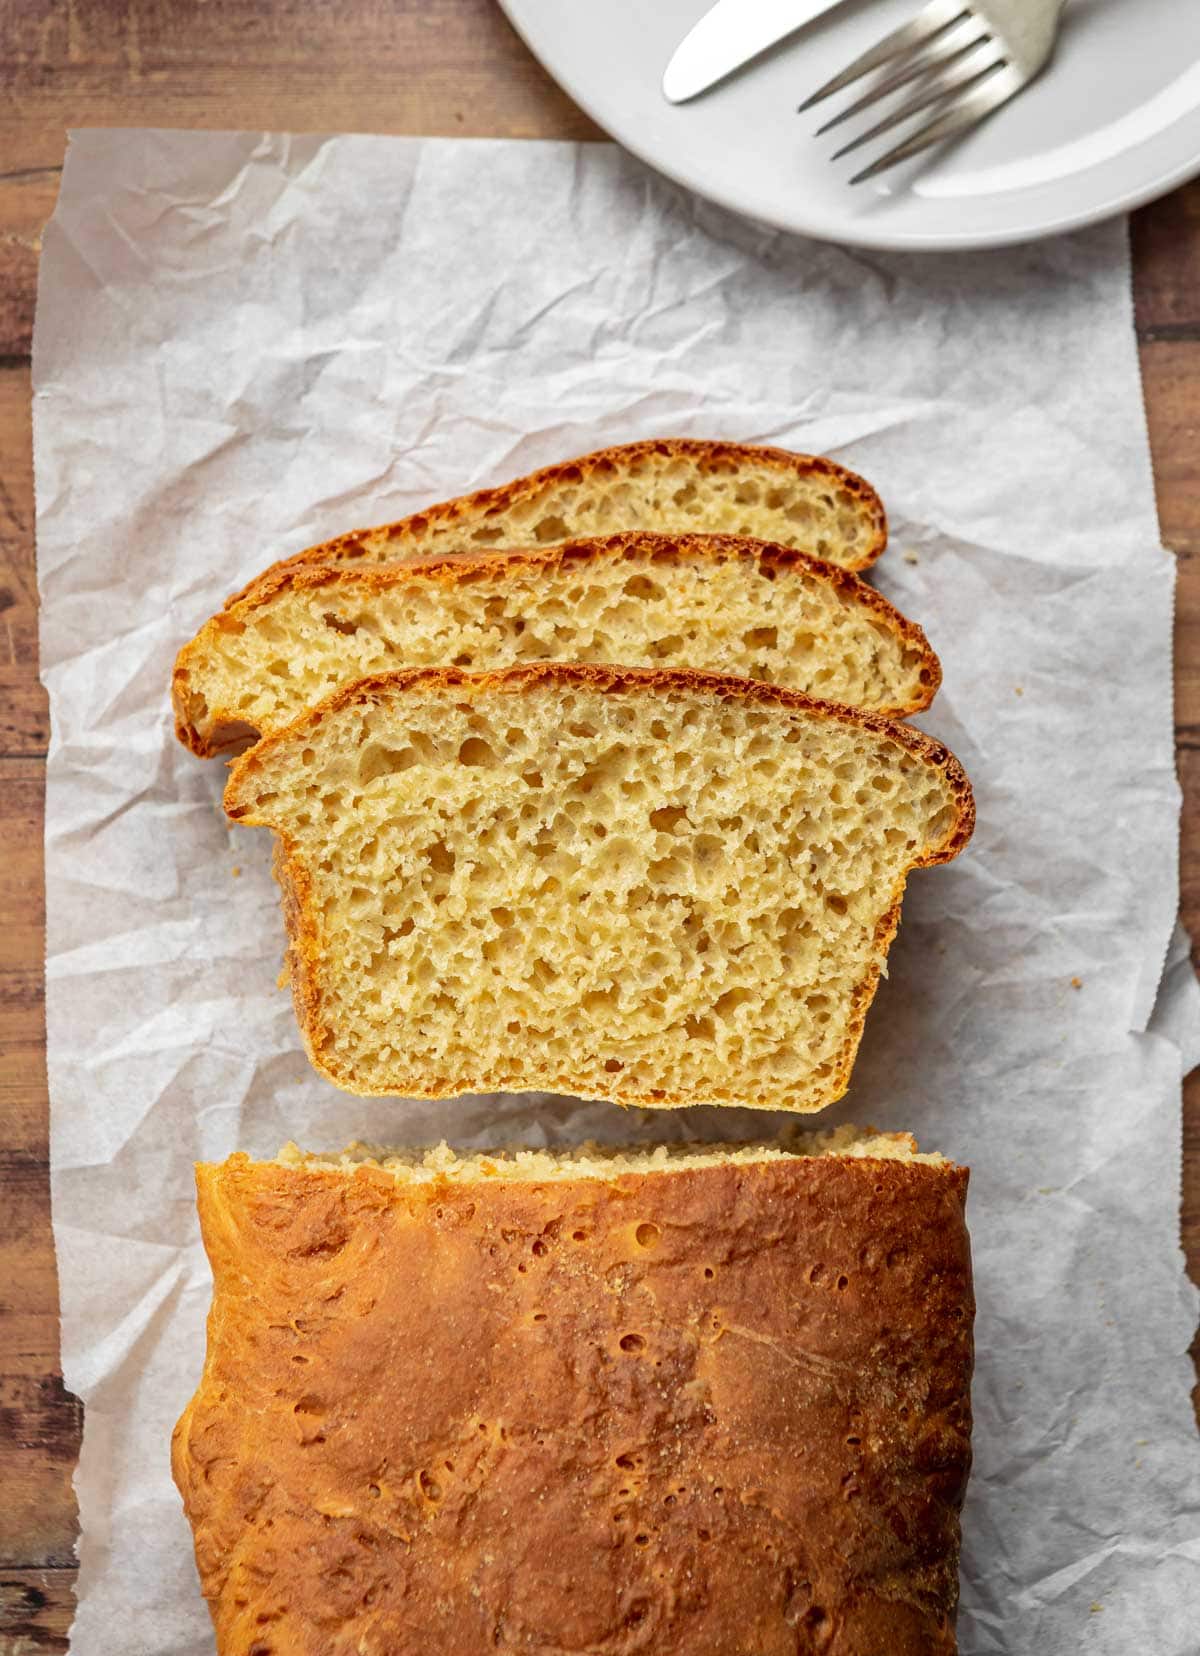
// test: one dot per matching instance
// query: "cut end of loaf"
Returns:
(661, 889)
(597, 1161)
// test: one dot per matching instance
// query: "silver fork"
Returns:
(967, 58)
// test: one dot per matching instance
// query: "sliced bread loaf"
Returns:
(673, 484)
(632, 1404)
(637, 599)
(657, 887)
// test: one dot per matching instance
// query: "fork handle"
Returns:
(1027, 28)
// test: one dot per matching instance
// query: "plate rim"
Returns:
(854, 234)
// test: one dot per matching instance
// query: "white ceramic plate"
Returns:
(1114, 121)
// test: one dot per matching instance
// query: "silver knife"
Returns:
(730, 34)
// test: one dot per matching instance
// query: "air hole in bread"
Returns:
(550, 529)
(761, 638)
(375, 761)
(475, 751)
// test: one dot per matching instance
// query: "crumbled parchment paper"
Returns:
(246, 343)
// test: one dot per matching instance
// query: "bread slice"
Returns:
(624, 1402)
(656, 887)
(672, 484)
(638, 599)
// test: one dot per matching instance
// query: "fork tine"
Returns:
(930, 21)
(950, 45)
(965, 112)
(958, 76)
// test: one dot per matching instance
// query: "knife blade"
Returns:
(729, 35)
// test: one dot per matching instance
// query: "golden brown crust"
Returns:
(611, 681)
(699, 1412)
(305, 958)
(484, 503)
(224, 726)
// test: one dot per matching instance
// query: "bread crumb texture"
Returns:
(657, 888)
(643, 600)
(674, 484)
(600, 1161)
(719, 1409)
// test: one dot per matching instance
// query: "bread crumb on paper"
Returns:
(911, 558)
(235, 870)
(1076, 983)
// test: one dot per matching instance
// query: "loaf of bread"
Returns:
(675, 1405)
(673, 484)
(638, 599)
(656, 887)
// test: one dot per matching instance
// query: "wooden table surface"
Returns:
(397, 66)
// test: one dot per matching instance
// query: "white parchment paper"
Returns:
(247, 343)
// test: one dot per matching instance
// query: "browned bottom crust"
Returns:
(708, 1411)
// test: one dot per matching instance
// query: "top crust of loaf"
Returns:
(707, 1411)
(244, 771)
(205, 727)
(403, 539)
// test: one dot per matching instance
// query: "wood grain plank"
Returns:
(22, 898)
(24, 720)
(39, 1443)
(26, 202)
(1171, 383)
(36, 1607)
(39, 1421)
(1166, 249)
(23, 1098)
